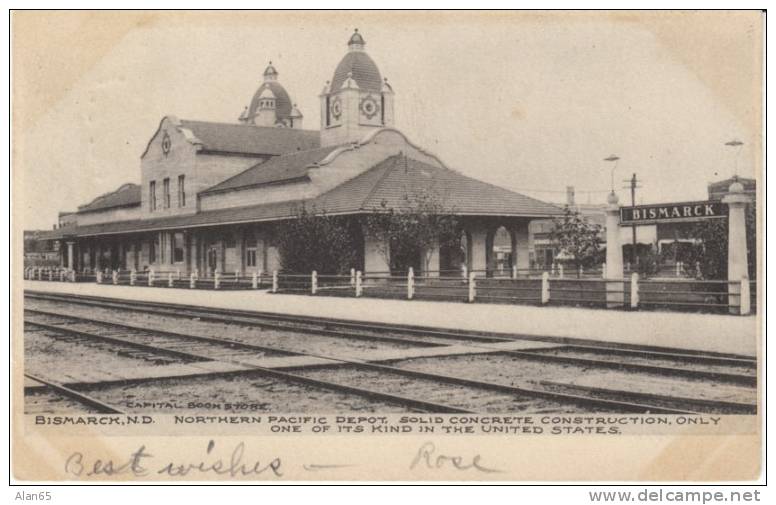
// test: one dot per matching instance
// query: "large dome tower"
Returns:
(357, 100)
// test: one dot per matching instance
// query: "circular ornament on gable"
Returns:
(166, 143)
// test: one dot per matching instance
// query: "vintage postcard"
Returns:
(387, 246)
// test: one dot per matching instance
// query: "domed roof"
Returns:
(282, 100)
(269, 88)
(356, 62)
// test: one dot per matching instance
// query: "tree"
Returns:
(414, 230)
(710, 253)
(317, 241)
(577, 238)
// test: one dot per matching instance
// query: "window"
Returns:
(382, 109)
(152, 195)
(177, 247)
(181, 191)
(328, 114)
(166, 183)
(250, 251)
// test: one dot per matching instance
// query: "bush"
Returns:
(316, 241)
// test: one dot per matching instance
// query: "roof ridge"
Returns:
(262, 163)
(460, 174)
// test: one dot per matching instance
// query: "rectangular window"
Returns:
(181, 191)
(328, 115)
(177, 247)
(166, 183)
(152, 195)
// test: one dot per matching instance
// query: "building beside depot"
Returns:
(669, 239)
(214, 196)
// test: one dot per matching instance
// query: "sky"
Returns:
(530, 101)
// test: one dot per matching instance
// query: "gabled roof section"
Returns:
(127, 195)
(250, 139)
(395, 177)
(279, 169)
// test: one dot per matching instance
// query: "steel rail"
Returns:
(749, 380)
(412, 403)
(209, 314)
(100, 406)
(562, 398)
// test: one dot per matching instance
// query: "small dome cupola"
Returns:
(270, 74)
(356, 42)
(270, 95)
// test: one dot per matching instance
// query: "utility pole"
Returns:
(633, 185)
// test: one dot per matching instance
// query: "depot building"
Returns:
(213, 196)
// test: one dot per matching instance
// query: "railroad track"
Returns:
(586, 397)
(672, 364)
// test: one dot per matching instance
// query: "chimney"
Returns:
(570, 196)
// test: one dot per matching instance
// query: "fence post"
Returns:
(255, 280)
(353, 277)
(72, 275)
(410, 283)
(98, 276)
(746, 300)
(216, 279)
(514, 271)
(545, 288)
(132, 277)
(359, 287)
(560, 271)
(274, 281)
(603, 270)
(634, 291)
(472, 287)
(237, 275)
(115, 277)
(170, 282)
(553, 269)
(677, 269)
(464, 272)
(581, 270)
(151, 276)
(192, 281)
(314, 282)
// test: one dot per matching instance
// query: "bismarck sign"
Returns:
(672, 212)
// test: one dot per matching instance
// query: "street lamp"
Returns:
(613, 158)
(735, 144)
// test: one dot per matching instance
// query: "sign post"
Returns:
(738, 268)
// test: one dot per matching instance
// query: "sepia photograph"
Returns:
(461, 235)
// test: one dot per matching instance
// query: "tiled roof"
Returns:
(282, 100)
(363, 69)
(390, 180)
(126, 195)
(282, 168)
(253, 213)
(250, 139)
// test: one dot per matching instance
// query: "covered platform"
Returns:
(680, 331)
